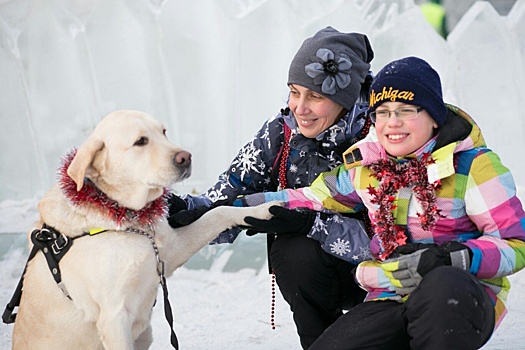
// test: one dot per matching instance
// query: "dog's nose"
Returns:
(183, 159)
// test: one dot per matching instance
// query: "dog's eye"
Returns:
(142, 141)
(164, 132)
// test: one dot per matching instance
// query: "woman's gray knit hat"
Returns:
(333, 64)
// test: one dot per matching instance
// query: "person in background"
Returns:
(314, 253)
(448, 226)
(436, 15)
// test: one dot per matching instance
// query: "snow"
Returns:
(221, 298)
(66, 63)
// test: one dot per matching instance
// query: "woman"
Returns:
(328, 77)
(448, 227)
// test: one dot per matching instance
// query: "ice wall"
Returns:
(214, 70)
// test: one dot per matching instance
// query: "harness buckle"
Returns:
(57, 247)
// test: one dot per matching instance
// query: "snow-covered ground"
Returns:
(214, 309)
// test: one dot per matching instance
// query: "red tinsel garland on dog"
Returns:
(393, 176)
(92, 196)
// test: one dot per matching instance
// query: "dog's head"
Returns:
(129, 158)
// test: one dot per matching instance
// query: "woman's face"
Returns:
(403, 137)
(313, 112)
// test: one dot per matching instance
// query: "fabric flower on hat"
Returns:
(328, 72)
(327, 58)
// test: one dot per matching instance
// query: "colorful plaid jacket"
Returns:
(477, 199)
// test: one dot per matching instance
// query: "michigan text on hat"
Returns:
(391, 94)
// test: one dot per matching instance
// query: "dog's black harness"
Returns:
(54, 245)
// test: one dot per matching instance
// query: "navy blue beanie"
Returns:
(410, 80)
(333, 64)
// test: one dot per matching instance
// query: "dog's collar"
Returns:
(96, 231)
(90, 195)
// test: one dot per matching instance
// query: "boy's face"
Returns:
(403, 137)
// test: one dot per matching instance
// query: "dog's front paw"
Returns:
(262, 211)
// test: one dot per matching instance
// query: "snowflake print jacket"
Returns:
(254, 170)
(477, 199)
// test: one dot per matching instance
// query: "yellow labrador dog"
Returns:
(110, 202)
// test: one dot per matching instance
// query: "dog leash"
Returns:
(160, 270)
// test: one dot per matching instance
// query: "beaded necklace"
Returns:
(285, 153)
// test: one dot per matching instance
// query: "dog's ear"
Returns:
(83, 160)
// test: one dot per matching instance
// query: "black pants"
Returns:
(449, 310)
(317, 285)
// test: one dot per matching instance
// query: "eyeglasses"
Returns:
(404, 113)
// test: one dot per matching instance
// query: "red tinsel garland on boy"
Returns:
(393, 176)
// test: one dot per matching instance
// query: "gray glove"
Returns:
(406, 271)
